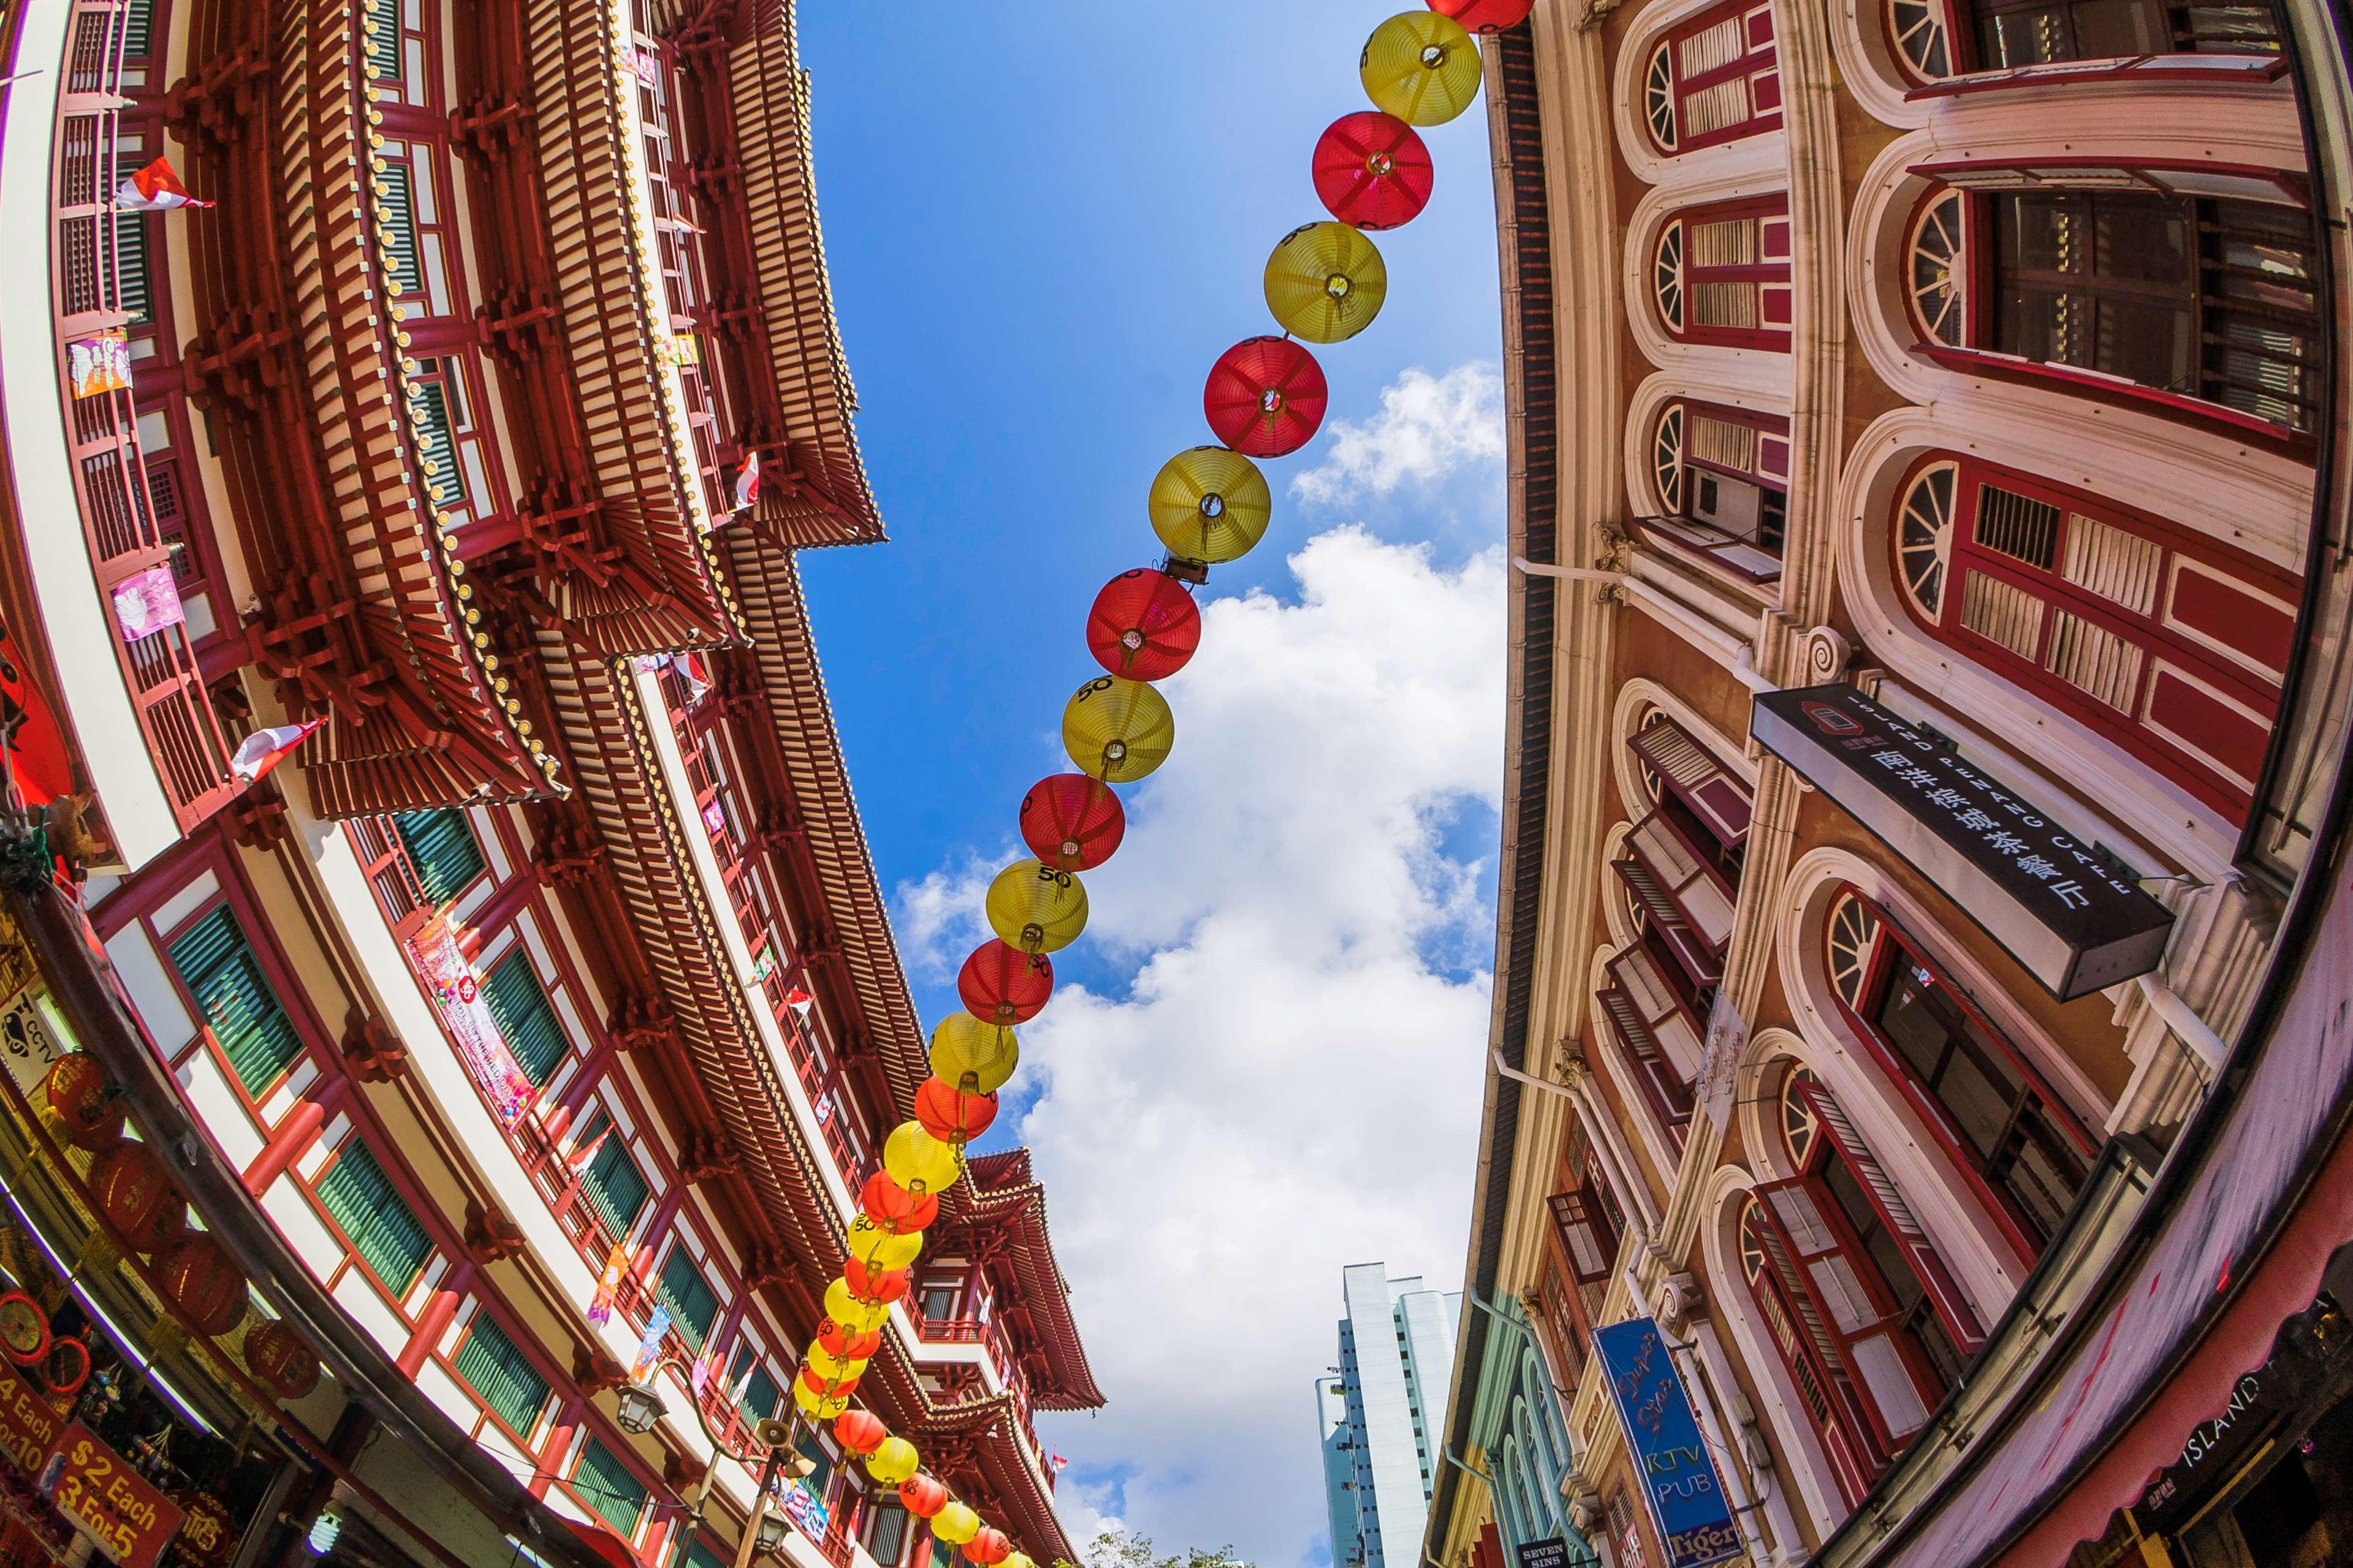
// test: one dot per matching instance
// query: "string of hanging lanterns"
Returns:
(1265, 398)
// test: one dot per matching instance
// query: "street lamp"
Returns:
(641, 1407)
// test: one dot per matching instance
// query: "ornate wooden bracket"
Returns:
(639, 1021)
(563, 529)
(258, 820)
(490, 1237)
(595, 1371)
(706, 1157)
(220, 99)
(763, 1266)
(704, 38)
(307, 638)
(569, 853)
(781, 828)
(242, 365)
(714, 178)
(373, 1052)
(516, 326)
(730, 318)
(491, 129)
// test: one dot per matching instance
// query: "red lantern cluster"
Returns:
(1265, 398)
(1000, 983)
(83, 1100)
(137, 1198)
(197, 1276)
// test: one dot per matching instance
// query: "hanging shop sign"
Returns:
(2070, 919)
(101, 1496)
(1679, 1483)
(1552, 1552)
(32, 1037)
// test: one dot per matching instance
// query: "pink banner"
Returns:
(444, 967)
(146, 602)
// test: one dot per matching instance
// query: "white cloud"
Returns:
(1429, 428)
(1289, 1083)
(939, 920)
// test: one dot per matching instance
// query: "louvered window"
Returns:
(138, 29)
(382, 1231)
(1587, 1239)
(1721, 273)
(398, 208)
(693, 1305)
(1723, 481)
(436, 412)
(611, 1181)
(611, 1493)
(886, 1532)
(694, 1554)
(525, 1017)
(441, 846)
(133, 272)
(2012, 34)
(2170, 644)
(1715, 79)
(239, 1002)
(761, 1395)
(495, 1368)
(384, 41)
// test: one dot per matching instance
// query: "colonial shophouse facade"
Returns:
(1929, 502)
(546, 986)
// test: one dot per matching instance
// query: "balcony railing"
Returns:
(128, 553)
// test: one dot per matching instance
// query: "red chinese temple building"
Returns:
(441, 937)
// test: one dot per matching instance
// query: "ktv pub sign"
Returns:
(1679, 1484)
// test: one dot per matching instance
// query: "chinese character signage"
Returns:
(124, 1516)
(1679, 1483)
(2074, 924)
(804, 1508)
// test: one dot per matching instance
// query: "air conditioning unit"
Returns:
(1733, 505)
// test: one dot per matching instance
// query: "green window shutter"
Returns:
(694, 1554)
(399, 228)
(429, 401)
(384, 39)
(218, 966)
(138, 29)
(136, 282)
(441, 846)
(693, 1305)
(760, 1397)
(525, 1017)
(493, 1368)
(611, 1493)
(612, 1182)
(361, 1198)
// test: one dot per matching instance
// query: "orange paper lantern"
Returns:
(1000, 983)
(988, 1547)
(861, 1431)
(844, 1343)
(895, 1209)
(949, 1114)
(923, 1495)
(196, 1275)
(880, 1287)
(136, 1197)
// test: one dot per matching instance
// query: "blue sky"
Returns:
(1043, 222)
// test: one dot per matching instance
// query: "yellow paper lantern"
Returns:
(919, 1161)
(850, 1311)
(955, 1525)
(892, 1461)
(831, 1368)
(976, 1057)
(1421, 67)
(1033, 906)
(1118, 731)
(878, 1249)
(1019, 1560)
(1210, 505)
(1325, 281)
(816, 1405)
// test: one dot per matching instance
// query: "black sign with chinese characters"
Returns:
(2073, 922)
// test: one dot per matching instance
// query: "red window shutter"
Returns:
(1893, 1390)
(1953, 1308)
(1668, 1096)
(1727, 84)
(1584, 1238)
(1700, 896)
(1811, 1359)
(1692, 773)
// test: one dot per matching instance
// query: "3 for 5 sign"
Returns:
(125, 1517)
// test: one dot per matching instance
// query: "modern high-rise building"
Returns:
(1380, 1415)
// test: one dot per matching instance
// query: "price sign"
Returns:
(106, 1500)
(29, 1424)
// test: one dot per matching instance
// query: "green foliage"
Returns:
(1125, 1549)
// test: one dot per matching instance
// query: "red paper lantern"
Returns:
(1265, 398)
(137, 1198)
(1484, 16)
(861, 1431)
(1144, 626)
(923, 1495)
(988, 1548)
(198, 1278)
(1074, 823)
(78, 1092)
(844, 1343)
(880, 1287)
(950, 1115)
(999, 983)
(828, 1388)
(280, 1358)
(895, 1209)
(1371, 170)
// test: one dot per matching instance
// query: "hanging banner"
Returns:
(147, 602)
(803, 1507)
(1552, 1552)
(2070, 920)
(608, 1284)
(445, 968)
(100, 364)
(101, 1496)
(649, 1348)
(1679, 1484)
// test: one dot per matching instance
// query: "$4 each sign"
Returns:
(103, 1496)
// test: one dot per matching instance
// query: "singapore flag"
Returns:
(154, 189)
(265, 749)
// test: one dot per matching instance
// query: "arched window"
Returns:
(2195, 287)
(1683, 869)
(1713, 79)
(1869, 1324)
(1722, 476)
(1986, 1102)
(1506, 1495)
(1720, 274)
(2168, 644)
